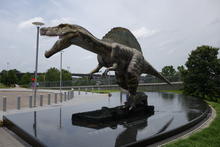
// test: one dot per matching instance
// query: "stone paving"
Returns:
(9, 140)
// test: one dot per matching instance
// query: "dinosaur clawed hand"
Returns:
(90, 77)
(105, 73)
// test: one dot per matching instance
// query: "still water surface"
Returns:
(54, 127)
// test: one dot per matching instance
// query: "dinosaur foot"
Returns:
(138, 100)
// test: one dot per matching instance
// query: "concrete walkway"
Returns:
(12, 93)
(8, 139)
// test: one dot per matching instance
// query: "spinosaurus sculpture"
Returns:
(118, 51)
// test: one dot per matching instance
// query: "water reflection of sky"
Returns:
(54, 127)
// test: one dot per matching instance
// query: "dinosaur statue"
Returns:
(125, 58)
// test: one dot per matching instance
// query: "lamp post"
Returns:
(38, 24)
(61, 53)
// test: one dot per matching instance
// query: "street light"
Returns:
(61, 53)
(38, 24)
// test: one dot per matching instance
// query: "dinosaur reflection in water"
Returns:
(130, 134)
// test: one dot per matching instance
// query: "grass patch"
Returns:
(2, 86)
(175, 91)
(208, 137)
(103, 91)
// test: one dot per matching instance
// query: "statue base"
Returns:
(111, 117)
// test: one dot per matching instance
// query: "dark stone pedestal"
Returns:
(110, 117)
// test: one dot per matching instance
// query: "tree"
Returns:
(203, 68)
(66, 75)
(9, 78)
(41, 77)
(168, 71)
(25, 79)
(66, 78)
(181, 72)
(52, 74)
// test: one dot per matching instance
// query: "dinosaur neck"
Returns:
(93, 44)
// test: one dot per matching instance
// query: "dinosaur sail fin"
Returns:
(149, 69)
(122, 36)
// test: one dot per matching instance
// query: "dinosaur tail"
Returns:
(149, 69)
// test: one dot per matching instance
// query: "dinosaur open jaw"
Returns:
(58, 46)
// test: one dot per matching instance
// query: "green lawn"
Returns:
(175, 91)
(208, 137)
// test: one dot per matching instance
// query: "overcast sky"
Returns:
(167, 30)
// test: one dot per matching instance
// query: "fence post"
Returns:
(86, 90)
(4, 103)
(79, 91)
(55, 98)
(72, 94)
(49, 99)
(68, 95)
(41, 100)
(18, 102)
(61, 97)
(64, 96)
(30, 101)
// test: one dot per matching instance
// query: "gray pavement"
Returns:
(8, 139)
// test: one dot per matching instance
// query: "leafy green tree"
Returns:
(25, 79)
(66, 75)
(41, 77)
(203, 68)
(9, 78)
(4, 77)
(168, 71)
(52, 74)
(66, 78)
(181, 72)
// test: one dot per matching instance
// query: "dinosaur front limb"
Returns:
(113, 68)
(94, 71)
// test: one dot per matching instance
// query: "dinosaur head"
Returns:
(65, 32)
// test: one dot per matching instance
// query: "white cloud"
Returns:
(28, 23)
(53, 22)
(144, 32)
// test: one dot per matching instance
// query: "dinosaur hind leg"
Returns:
(95, 71)
(132, 83)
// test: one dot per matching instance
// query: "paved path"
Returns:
(9, 140)
(24, 93)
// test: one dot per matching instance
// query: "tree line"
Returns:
(12, 77)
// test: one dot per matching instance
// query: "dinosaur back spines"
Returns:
(122, 36)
